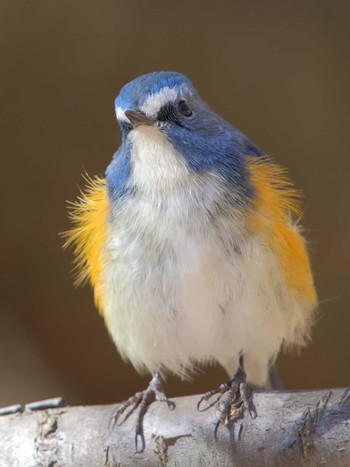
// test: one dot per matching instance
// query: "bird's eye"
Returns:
(184, 109)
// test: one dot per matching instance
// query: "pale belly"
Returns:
(177, 301)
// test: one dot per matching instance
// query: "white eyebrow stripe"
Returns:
(155, 102)
(121, 115)
(152, 104)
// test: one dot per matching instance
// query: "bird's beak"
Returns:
(138, 118)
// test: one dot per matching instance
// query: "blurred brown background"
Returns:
(278, 70)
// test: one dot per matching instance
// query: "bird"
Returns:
(193, 246)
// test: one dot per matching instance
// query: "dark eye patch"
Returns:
(125, 126)
(167, 114)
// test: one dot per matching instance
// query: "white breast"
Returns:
(183, 287)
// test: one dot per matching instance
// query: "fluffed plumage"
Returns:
(192, 243)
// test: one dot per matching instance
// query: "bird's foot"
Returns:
(234, 398)
(141, 401)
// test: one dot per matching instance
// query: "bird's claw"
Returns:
(141, 401)
(143, 442)
(135, 399)
(170, 404)
(208, 395)
(235, 397)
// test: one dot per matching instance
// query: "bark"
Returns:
(292, 428)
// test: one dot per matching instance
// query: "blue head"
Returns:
(168, 102)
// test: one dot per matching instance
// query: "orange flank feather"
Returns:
(87, 236)
(277, 203)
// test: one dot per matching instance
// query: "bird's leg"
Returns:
(141, 401)
(234, 397)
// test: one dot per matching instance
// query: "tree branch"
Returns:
(292, 428)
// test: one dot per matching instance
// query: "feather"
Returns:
(87, 235)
